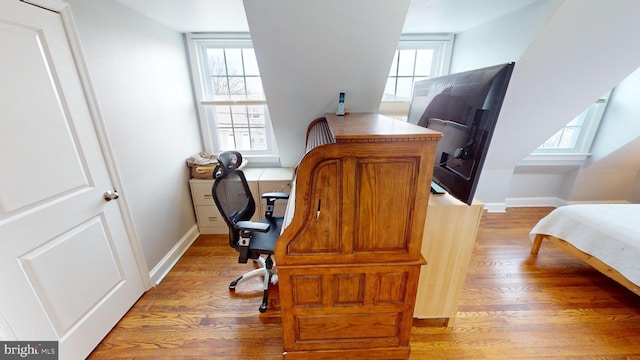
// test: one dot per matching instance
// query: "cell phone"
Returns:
(340, 104)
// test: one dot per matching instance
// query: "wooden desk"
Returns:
(349, 260)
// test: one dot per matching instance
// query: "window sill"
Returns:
(553, 162)
(262, 160)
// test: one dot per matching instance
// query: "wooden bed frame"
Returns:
(589, 259)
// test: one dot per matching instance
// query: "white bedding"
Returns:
(609, 232)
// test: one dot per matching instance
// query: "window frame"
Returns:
(443, 47)
(197, 43)
(577, 155)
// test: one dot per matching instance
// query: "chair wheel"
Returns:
(233, 284)
(262, 308)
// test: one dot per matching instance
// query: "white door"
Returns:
(67, 268)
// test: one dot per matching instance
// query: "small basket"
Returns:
(201, 165)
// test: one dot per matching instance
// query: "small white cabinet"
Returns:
(275, 180)
(207, 215)
(260, 181)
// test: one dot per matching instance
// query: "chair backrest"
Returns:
(231, 193)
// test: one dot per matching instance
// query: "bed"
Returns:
(606, 236)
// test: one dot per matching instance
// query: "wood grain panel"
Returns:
(307, 290)
(449, 237)
(348, 289)
(391, 288)
(322, 232)
(385, 191)
(348, 327)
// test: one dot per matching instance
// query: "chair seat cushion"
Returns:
(264, 243)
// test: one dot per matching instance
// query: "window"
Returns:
(570, 145)
(417, 57)
(567, 137)
(576, 137)
(231, 102)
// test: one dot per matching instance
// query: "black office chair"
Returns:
(252, 240)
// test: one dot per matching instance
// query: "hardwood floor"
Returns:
(514, 306)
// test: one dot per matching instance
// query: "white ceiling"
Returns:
(425, 16)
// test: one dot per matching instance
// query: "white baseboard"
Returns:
(552, 202)
(599, 202)
(495, 207)
(168, 261)
(536, 202)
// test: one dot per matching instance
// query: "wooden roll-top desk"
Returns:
(349, 257)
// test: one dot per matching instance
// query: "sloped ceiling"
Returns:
(581, 53)
(555, 82)
(424, 16)
(194, 15)
(455, 16)
(311, 50)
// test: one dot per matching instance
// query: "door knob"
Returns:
(111, 195)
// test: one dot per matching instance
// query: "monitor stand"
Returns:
(437, 189)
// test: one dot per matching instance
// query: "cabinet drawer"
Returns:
(205, 230)
(201, 192)
(209, 216)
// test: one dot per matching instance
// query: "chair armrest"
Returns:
(275, 195)
(271, 200)
(251, 226)
(247, 228)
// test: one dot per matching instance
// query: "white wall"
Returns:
(581, 53)
(611, 170)
(634, 193)
(547, 182)
(610, 174)
(309, 51)
(613, 167)
(140, 75)
(501, 40)
(611, 178)
(621, 121)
